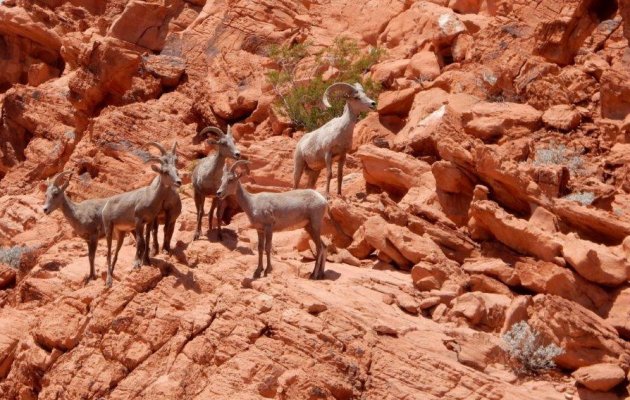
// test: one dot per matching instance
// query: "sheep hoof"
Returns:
(166, 251)
(257, 274)
(196, 237)
(108, 282)
(137, 264)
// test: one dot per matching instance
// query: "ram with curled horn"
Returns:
(84, 217)
(273, 212)
(319, 148)
(206, 176)
(132, 211)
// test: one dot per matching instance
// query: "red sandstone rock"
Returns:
(600, 377)
(586, 338)
(562, 117)
(494, 120)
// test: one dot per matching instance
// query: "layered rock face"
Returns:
(490, 186)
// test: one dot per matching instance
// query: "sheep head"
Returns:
(230, 178)
(353, 94)
(224, 141)
(55, 188)
(165, 164)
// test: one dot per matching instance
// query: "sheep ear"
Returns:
(43, 186)
(174, 149)
(229, 130)
(358, 86)
(156, 168)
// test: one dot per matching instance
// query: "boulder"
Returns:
(585, 337)
(600, 377)
(400, 244)
(490, 121)
(617, 313)
(483, 310)
(485, 284)
(168, 69)
(615, 94)
(595, 262)
(423, 66)
(7, 275)
(445, 275)
(562, 117)
(490, 220)
(393, 171)
(493, 267)
(142, 23)
(549, 278)
(396, 102)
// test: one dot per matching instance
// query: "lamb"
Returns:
(272, 212)
(206, 177)
(130, 211)
(84, 217)
(332, 141)
(171, 209)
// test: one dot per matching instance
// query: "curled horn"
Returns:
(56, 180)
(153, 159)
(337, 89)
(211, 129)
(157, 146)
(244, 163)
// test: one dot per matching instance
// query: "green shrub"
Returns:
(301, 101)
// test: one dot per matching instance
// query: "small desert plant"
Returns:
(301, 101)
(524, 347)
(559, 155)
(584, 198)
(12, 256)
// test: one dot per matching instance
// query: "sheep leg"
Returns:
(220, 209)
(147, 243)
(108, 235)
(120, 237)
(154, 229)
(312, 177)
(140, 245)
(169, 228)
(200, 199)
(314, 232)
(268, 236)
(328, 160)
(211, 213)
(261, 246)
(297, 169)
(340, 164)
(92, 242)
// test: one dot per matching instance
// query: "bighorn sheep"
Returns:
(206, 177)
(130, 211)
(317, 149)
(272, 212)
(84, 217)
(170, 211)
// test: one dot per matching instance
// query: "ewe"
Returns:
(272, 212)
